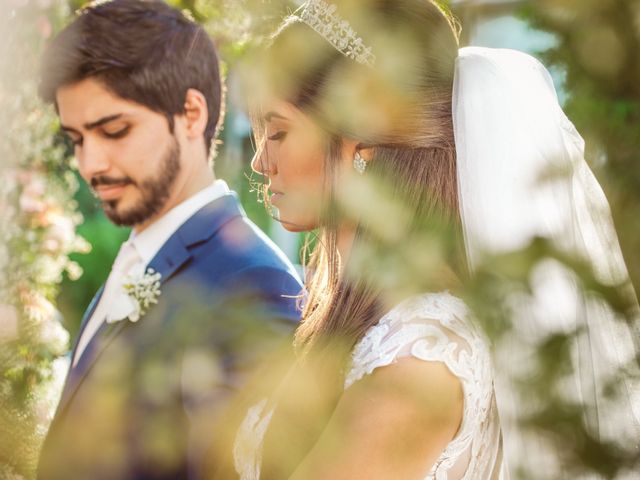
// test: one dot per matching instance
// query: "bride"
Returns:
(372, 127)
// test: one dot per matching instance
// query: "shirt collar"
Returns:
(148, 242)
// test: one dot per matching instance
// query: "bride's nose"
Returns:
(261, 163)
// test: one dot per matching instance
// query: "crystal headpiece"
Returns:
(324, 19)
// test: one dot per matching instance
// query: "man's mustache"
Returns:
(103, 180)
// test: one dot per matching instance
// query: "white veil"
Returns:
(510, 132)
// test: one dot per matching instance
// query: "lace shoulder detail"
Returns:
(434, 327)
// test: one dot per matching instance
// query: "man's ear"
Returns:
(196, 113)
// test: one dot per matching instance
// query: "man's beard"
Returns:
(155, 191)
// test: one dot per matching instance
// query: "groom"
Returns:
(197, 292)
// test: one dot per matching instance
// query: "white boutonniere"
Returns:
(141, 290)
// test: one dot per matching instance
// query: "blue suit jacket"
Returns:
(127, 407)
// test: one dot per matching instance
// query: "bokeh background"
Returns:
(58, 246)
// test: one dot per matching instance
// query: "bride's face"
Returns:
(292, 160)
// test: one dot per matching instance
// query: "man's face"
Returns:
(125, 151)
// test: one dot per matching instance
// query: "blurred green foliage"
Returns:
(598, 45)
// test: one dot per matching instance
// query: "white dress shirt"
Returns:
(147, 244)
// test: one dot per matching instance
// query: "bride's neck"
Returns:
(443, 276)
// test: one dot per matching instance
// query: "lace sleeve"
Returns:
(434, 328)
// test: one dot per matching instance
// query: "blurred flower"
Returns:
(60, 236)
(32, 196)
(53, 335)
(37, 307)
(80, 245)
(8, 323)
(48, 270)
(74, 271)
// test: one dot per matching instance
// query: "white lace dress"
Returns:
(433, 327)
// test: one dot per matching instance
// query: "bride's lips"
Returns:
(110, 192)
(275, 196)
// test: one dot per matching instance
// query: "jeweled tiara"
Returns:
(324, 19)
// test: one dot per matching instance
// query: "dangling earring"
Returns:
(359, 163)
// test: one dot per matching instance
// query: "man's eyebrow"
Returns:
(92, 125)
(102, 121)
(269, 115)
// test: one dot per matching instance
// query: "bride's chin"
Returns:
(290, 224)
(292, 219)
(292, 227)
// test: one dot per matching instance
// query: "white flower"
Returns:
(48, 270)
(142, 290)
(54, 335)
(60, 234)
(37, 308)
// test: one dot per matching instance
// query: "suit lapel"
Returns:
(198, 229)
(174, 254)
(209, 219)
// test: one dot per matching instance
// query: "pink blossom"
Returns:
(32, 197)
(37, 307)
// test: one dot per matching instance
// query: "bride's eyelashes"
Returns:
(278, 136)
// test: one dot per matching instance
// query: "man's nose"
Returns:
(92, 159)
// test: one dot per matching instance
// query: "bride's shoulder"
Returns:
(430, 326)
(428, 313)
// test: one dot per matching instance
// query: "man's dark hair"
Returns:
(141, 50)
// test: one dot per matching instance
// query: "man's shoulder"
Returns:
(241, 262)
(240, 244)
(223, 241)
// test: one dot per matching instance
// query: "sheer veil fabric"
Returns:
(510, 133)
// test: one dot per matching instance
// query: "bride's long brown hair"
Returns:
(401, 109)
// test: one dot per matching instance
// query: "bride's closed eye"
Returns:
(278, 135)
